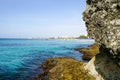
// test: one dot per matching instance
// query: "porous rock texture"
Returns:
(102, 19)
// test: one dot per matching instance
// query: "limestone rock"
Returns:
(102, 19)
(103, 68)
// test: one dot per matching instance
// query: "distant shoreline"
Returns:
(43, 38)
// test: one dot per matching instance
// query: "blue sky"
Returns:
(41, 18)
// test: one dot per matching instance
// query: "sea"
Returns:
(21, 59)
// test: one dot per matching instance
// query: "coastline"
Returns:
(65, 68)
(89, 52)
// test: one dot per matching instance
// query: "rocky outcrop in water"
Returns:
(64, 69)
(102, 19)
(90, 52)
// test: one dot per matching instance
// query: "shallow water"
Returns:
(20, 59)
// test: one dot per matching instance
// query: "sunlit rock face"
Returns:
(102, 19)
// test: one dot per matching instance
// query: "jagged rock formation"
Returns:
(102, 19)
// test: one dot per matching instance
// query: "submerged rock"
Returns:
(64, 69)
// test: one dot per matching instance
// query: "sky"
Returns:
(41, 18)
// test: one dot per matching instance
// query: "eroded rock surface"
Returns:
(102, 19)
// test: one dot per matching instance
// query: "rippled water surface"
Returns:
(20, 59)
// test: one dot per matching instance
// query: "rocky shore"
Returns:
(102, 18)
(90, 52)
(68, 68)
(64, 69)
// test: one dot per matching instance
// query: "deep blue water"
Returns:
(20, 59)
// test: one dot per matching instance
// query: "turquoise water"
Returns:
(20, 59)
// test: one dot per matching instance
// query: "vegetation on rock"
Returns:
(82, 37)
(64, 69)
(90, 52)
